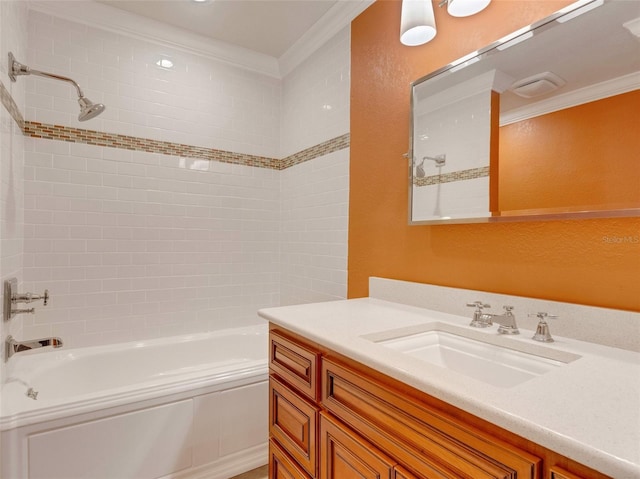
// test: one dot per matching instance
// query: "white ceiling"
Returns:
(270, 27)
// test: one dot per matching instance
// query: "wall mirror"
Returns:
(542, 124)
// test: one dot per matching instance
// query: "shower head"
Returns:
(88, 109)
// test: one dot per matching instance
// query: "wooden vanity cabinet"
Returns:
(334, 418)
(281, 466)
(558, 473)
(347, 456)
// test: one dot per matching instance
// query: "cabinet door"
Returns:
(293, 422)
(346, 456)
(281, 466)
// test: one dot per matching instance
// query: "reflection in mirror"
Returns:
(540, 125)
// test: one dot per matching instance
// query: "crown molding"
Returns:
(132, 25)
(595, 92)
(338, 17)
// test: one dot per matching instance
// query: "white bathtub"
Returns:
(184, 407)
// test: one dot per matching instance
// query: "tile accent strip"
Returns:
(321, 149)
(91, 137)
(10, 105)
(461, 175)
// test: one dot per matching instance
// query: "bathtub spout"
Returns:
(14, 346)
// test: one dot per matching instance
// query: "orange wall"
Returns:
(595, 262)
(585, 155)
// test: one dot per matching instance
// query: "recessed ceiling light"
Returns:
(164, 63)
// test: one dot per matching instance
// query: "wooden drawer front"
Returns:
(401, 473)
(558, 473)
(295, 364)
(425, 440)
(281, 466)
(345, 456)
(293, 422)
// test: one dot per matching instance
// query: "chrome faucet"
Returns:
(507, 321)
(14, 346)
(542, 331)
(480, 319)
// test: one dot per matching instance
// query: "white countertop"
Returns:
(587, 410)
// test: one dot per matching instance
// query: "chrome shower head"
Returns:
(88, 109)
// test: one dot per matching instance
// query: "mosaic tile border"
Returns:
(470, 174)
(91, 137)
(10, 106)
(324, 148)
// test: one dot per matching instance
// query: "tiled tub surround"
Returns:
(134, 244)
(140, 231)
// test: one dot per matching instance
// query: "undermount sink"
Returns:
(493, 359)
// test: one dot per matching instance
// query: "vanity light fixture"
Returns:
(464, 8)
(417, 22)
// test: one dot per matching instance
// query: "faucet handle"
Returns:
(30, 297)
(479, 305)
(542, 331)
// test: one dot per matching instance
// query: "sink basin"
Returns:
(490, 358)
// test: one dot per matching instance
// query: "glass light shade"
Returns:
(465, 8)
(417, 22)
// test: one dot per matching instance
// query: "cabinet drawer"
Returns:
(420, 437)
(346, 456)
(401, 473)
(558, 473)
(295, 363)
(293, 422)
(281, 466)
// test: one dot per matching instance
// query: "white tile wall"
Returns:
(315, 194)
(315, 211)
(136, 245)
(315, 97)
(13, 37)
(198, 102)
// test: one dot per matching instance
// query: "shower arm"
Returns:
(18, 69)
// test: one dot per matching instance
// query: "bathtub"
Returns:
(185, 407)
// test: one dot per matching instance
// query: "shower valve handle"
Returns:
(30, 297)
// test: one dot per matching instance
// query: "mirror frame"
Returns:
(522, 34)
